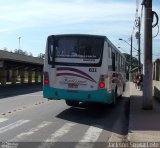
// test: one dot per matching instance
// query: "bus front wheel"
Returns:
(72, 103)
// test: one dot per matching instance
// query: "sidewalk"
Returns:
(144, 125)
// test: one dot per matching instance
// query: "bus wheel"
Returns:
(72, 103)
(114, 97)
(124, 86)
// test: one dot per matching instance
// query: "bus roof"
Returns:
(84, 35)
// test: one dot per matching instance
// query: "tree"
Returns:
(5, 49)
(41, 55)
(134, 60)
(134, 63)
(30, 54)
(19, 51)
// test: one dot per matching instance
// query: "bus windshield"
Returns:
(78, 47)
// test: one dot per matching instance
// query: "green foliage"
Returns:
(134, 60)
(19, 51)
(134, 63)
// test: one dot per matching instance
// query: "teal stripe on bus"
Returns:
(101, 95)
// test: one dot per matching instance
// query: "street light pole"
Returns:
(130, 67)
(19, 42)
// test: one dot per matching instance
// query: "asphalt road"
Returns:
(29, 120)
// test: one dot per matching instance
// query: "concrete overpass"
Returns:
(17, 68)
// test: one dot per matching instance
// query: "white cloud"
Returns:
(36, 13)
(113, 18)
(4, 30)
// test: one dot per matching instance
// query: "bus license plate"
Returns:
(72, 85)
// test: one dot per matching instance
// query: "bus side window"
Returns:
(109, 51)
(119, 66)
(113, 61)
(116, 56)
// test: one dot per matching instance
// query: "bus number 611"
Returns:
(92, 70)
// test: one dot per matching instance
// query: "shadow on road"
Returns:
(100, 115)
(14, 90)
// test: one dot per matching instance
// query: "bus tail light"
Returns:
(46, 78)
(102, 82)
(101, 85)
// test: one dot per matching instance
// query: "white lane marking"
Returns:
(91, 136)
(12, 126)
(32, 95)
(56, 135)
(31, 131)
(3, 119)
(60, 132)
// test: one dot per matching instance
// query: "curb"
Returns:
(130, 115)
(129, 121)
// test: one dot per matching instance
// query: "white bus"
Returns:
(79, 68)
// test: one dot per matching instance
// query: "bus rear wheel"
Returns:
(114, 97)
(72, 103)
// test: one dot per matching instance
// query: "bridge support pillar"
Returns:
(3, 76)
(36, 76)
(30, 76)
(14, 76)
(41, 74)
(22, 75)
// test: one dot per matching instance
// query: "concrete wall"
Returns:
(156, 70)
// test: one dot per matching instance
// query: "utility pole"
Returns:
(139, 45)
(130, 69)
(147, 81)
(130, 65)
(138, 37)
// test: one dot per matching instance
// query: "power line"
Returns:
(157, 32)
(123, 49)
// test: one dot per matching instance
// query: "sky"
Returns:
(34, 20)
